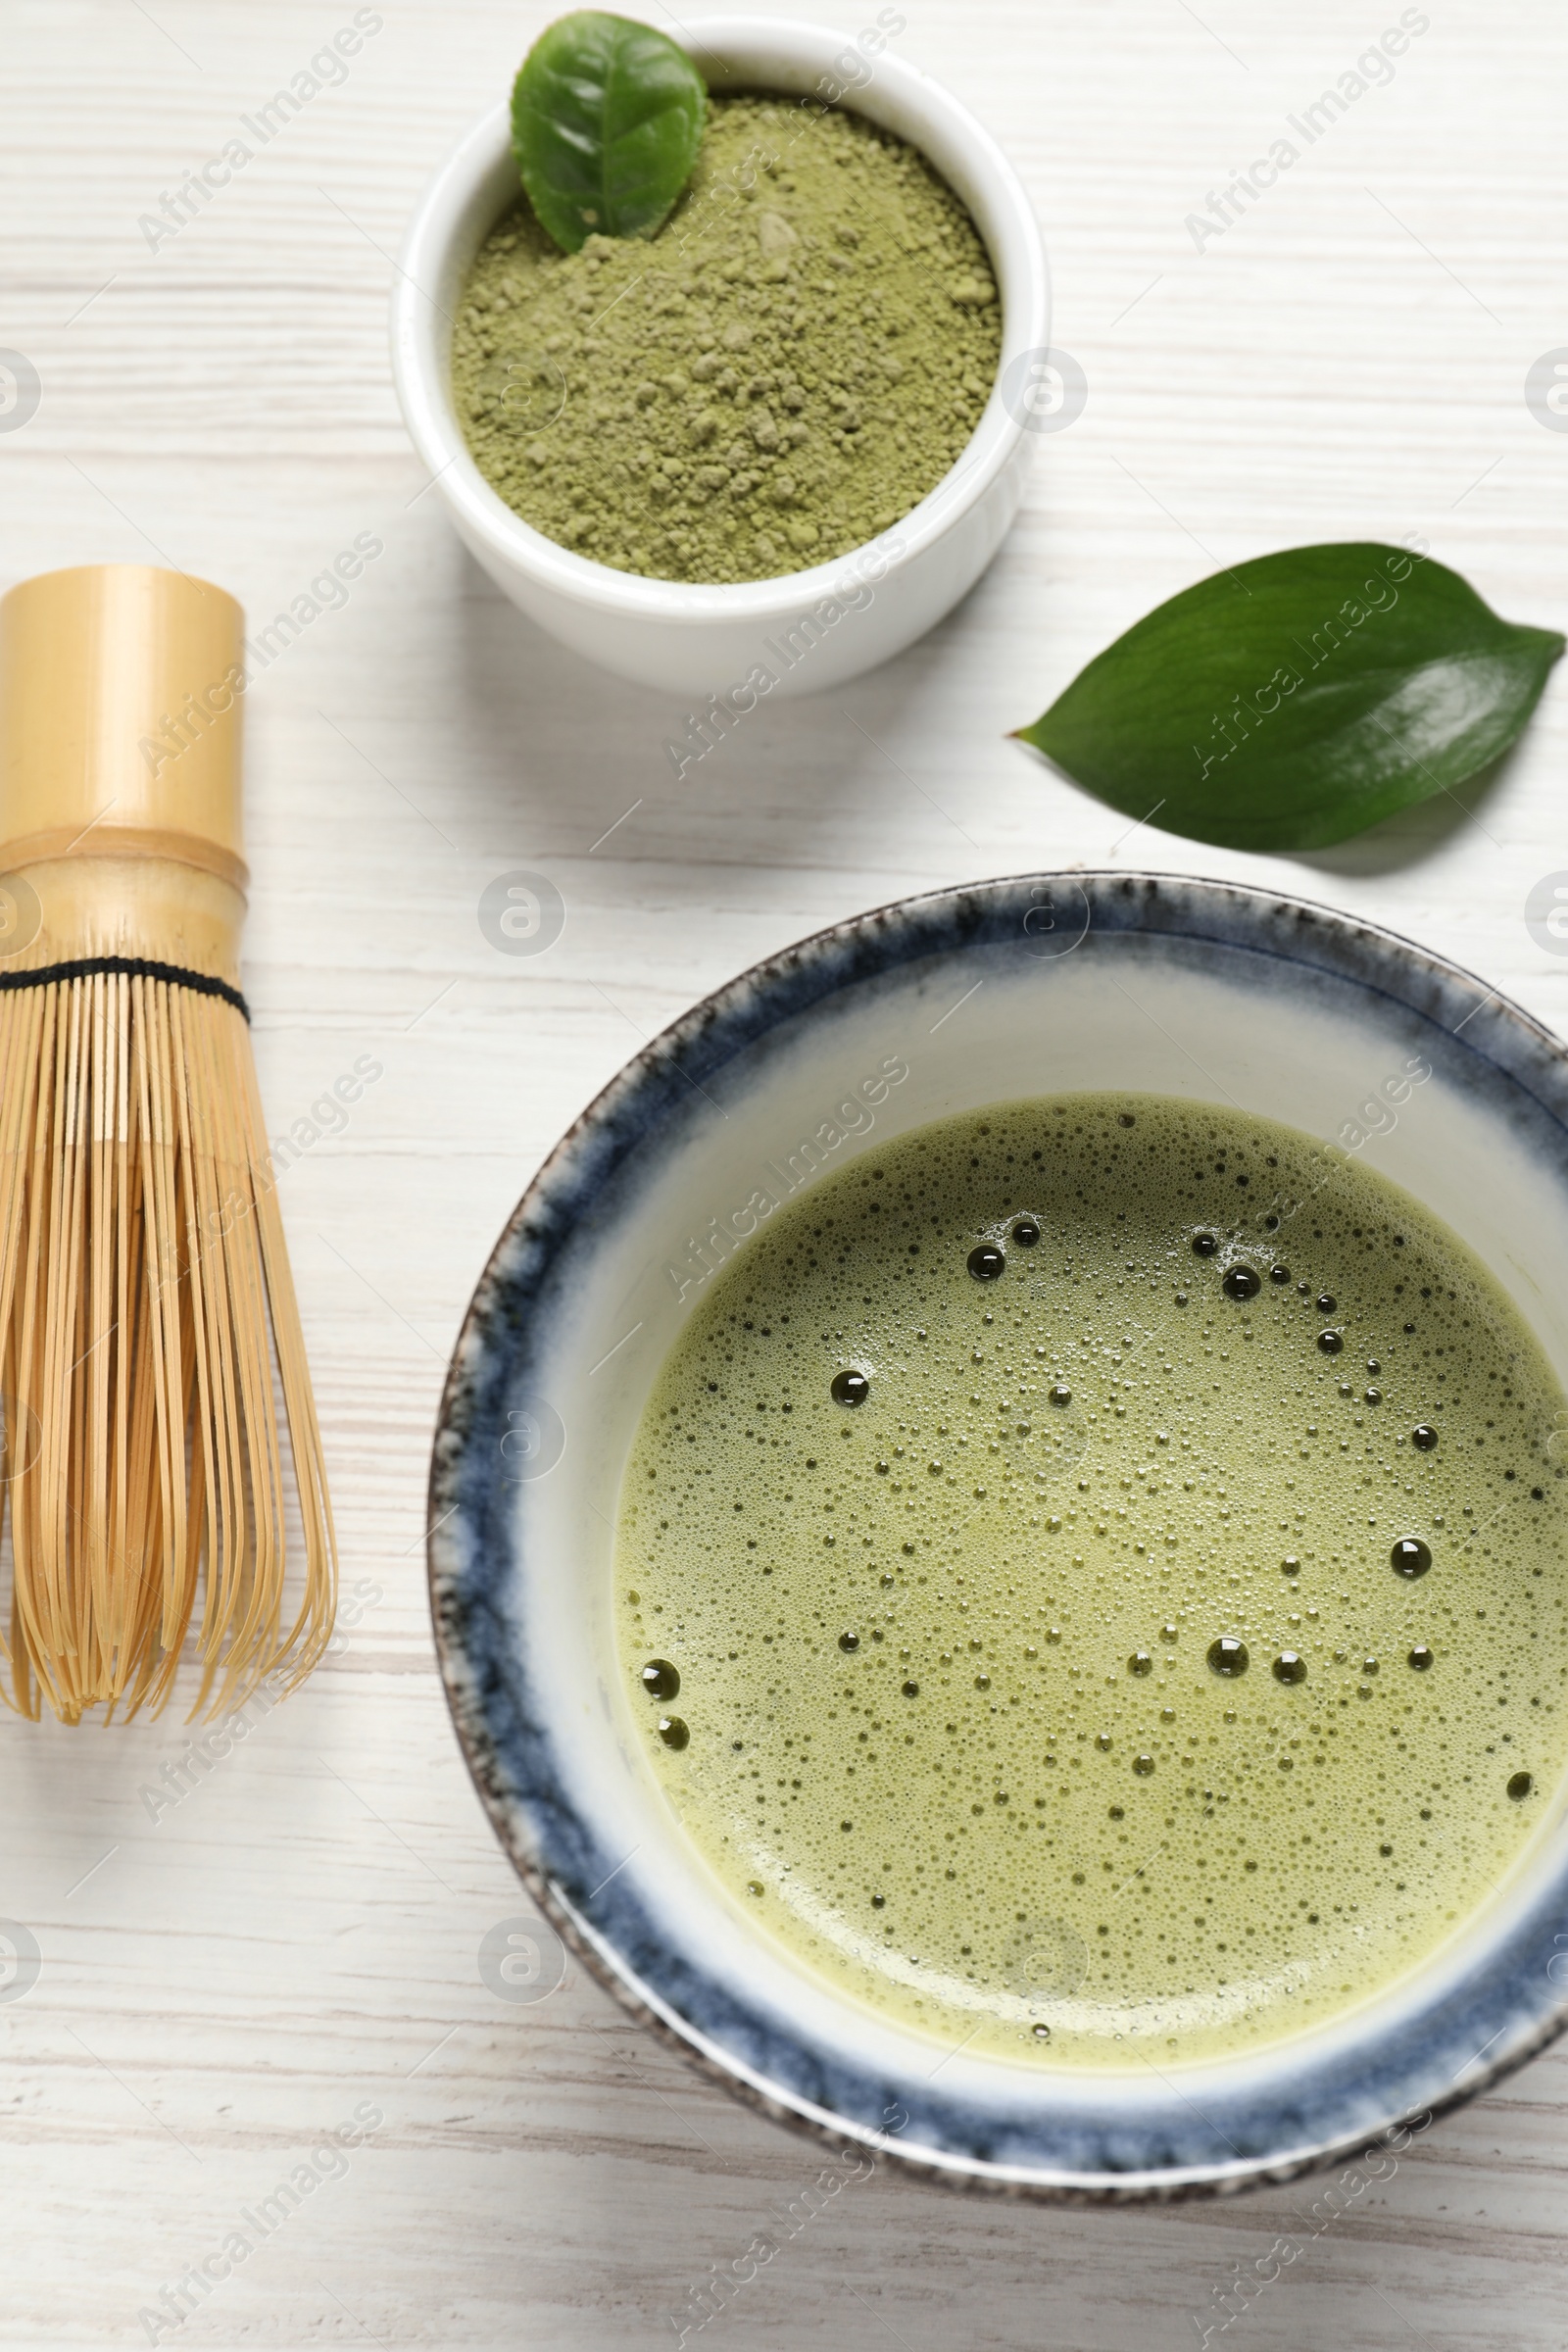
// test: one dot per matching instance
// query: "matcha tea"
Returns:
(781, 373)
(1092, 1577)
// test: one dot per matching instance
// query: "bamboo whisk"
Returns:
(151, 1361)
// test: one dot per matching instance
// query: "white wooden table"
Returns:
(225, 1977)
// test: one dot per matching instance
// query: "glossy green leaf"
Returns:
(1300, 698)
(606, 117)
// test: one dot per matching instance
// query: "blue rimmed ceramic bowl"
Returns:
(936, 1005)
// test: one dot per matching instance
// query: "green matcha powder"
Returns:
(789, 367)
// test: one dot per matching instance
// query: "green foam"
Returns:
(1079, 1858)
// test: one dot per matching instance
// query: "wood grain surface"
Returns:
(234, 1960)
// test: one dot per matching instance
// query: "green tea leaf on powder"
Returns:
(1300, 698)
(606, 117)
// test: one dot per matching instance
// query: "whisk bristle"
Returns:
(152, 1370)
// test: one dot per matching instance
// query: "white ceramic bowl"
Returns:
(699, 641)
(941, 1004)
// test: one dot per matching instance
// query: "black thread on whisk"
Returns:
(135, 967)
